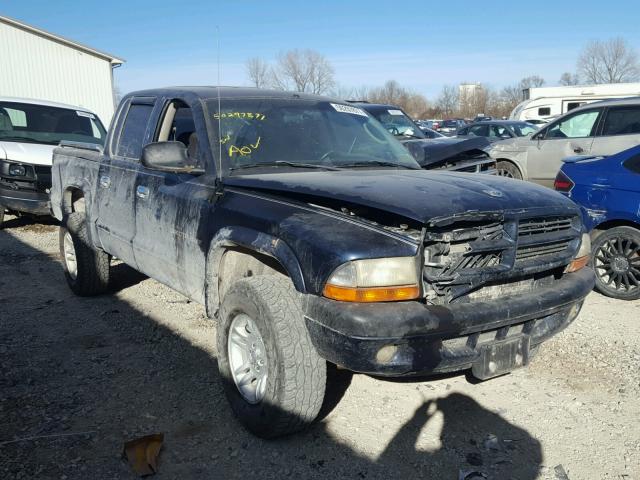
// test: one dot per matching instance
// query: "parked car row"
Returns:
(432, 151)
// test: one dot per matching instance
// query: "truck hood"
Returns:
(413, 194)
(432, 152)
(31, 153)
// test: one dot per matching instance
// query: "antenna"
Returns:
(219, 112)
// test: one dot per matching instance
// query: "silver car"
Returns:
(601, 128)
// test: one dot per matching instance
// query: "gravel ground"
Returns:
(80, 376)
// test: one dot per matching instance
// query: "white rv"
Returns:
(543, 104)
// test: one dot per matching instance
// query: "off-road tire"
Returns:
(93, 266)
(603, 286)
(508, 169)
(296, 373)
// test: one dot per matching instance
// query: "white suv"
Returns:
(601, 128)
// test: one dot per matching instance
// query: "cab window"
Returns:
(580, 125)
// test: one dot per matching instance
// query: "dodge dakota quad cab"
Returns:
(29, 131)
(442, 153)
(311, 235)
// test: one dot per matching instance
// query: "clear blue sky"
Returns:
(423, 45)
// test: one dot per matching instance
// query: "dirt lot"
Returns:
(79, 376)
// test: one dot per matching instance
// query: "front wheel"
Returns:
(273, 377)
(616, 261)
(508, 169)
(85, 268)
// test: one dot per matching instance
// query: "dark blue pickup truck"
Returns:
(311, 235)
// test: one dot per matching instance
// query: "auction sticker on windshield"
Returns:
(349, 109)
(395, 112)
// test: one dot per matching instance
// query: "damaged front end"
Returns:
(495, 285)
(454, 154)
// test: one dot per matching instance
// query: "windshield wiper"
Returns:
(281, 163)
(377, 163)
(410, 135)
(22, 139)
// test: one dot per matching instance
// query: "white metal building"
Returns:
(38, 64)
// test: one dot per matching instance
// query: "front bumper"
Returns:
(410, 338)
(27, 193)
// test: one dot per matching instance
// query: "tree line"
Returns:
(601, 61)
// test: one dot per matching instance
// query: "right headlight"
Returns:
(374, 280)
(583, 256)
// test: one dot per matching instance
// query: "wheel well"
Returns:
(511, 162)
(74, 200)
(237, 263)
(617, 223)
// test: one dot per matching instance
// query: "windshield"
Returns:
(30, 123)
(523, 129)
(397, 123)
(284, 133)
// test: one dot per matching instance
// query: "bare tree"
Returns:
(413, 103)
(568, 78)
(303, 71)
(258, 72)
(447, 101)
(531, 81)
(611, 61)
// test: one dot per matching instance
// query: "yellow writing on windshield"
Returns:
(246, 115)
(245, 149)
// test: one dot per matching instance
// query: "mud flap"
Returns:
(502, 356)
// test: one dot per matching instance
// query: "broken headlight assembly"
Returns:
(581, 259)
(374, 280)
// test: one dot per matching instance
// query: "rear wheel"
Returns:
(86, 269)
(273, 377)
(508, 169)
(616, 261)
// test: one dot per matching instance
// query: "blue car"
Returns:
(608, 191)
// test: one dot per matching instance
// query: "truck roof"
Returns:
(208, 92)
(46, 103)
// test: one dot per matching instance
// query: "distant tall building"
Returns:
(471, 97)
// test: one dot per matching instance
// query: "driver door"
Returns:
(568, 136)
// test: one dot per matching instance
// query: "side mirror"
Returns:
(166, 157)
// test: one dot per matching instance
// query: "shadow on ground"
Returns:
(71, 365)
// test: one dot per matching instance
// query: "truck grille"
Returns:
(460, 257)
(543, 238)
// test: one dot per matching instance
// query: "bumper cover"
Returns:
(25, 193)
(27, 201)
(410, 338)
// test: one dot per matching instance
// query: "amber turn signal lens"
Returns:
(377, 294)
(577, 263)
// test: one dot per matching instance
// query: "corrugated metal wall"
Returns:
(32, 66)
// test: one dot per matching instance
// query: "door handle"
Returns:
(105, 182)
(142, 191)
(578, 150)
